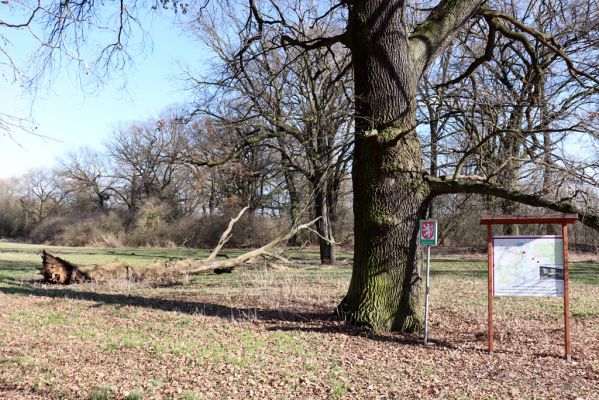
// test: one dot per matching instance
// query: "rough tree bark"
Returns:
(508, 153)
(324, 226)
(390, 192)
(294, 199)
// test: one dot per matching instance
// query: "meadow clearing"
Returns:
(265, 334)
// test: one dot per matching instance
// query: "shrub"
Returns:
(81, 230)
(155, 225)
(48, 230)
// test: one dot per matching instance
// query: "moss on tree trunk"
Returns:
(390, 194)
(385, 287)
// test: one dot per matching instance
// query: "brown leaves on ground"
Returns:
(271, 335)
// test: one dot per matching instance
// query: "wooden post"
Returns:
(490, 284)
(563, 220)
(566, 295)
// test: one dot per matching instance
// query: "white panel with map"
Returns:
(528, 265)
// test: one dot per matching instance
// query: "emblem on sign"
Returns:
(427, 235)
(428, 232)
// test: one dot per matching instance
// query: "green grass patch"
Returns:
(267, 331)
(136, 395)
(102, 393)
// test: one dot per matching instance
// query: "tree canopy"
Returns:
(450, 96)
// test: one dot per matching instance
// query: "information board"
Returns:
(528, 266)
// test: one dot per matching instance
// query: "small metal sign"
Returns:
(427, 236)
(428, 232)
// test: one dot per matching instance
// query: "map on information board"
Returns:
(528, 265)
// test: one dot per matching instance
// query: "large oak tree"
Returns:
(392, 44)
(391, 48)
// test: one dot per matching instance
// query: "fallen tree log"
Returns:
(60, 271)
(56, 270)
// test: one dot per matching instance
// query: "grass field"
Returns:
(263, 334)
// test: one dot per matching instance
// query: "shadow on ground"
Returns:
(285, 320)
(16, 272)
(189, 307)
(14, 266)
(395, 338)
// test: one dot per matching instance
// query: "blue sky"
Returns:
(73, 119)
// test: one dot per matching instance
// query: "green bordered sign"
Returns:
(428, 232)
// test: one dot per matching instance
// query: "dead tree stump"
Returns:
(56, 270)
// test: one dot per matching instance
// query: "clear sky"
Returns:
(73, 119)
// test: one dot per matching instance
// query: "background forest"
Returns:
(273, 127)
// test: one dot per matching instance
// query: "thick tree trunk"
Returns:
(390, 191)
(212, 199)
(294, 199)
(390, 194)
(389, 199)
(324, 226)
(434, 156)
(548, 179)
(509, 176)
(509, 151)
(332, 198)
(509, 207)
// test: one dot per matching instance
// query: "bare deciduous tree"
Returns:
(88, 177)
(393, 43)
(294, 102)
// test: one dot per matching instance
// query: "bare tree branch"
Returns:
(226, 234)
(441, 185)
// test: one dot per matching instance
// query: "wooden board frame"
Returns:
(561, 219)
